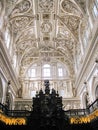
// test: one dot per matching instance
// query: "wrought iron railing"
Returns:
(72, 112)
(18, 113)
(14, 113)
(76, 112)
(80, 112)
(93, 106)
(3, 108)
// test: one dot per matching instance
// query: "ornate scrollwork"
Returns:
(70, 7)
(20, 22)
(21, 7)
(45, 5)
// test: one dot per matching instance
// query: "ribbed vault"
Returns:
(47, 30)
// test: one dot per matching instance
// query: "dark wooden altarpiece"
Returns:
(47, 110)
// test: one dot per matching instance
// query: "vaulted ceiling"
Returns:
(45, 30)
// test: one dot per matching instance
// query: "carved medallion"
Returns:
(46, 27)
(70, 7)
(22, 7)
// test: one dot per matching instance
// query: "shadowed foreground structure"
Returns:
(48, 114)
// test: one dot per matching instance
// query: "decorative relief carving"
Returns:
(46, 16)
(21, 22)
(70, 7)
(66, 31)
(22, 71)
(46, 38)
(82, 4)
(21, 7)
(45, 5)
(65, 38)
(28, 34)
(78, 56)
(46, 27)
(25, 45)
(71, 104)
(30, 57)
(72, 23)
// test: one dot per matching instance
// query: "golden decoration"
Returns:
(73, 120)
(84, 119)
(12, 121)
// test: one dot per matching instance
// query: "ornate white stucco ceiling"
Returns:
(45, 27)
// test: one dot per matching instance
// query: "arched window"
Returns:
(46, 70)
(51, 71)
(60, 72)
(32, 71)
